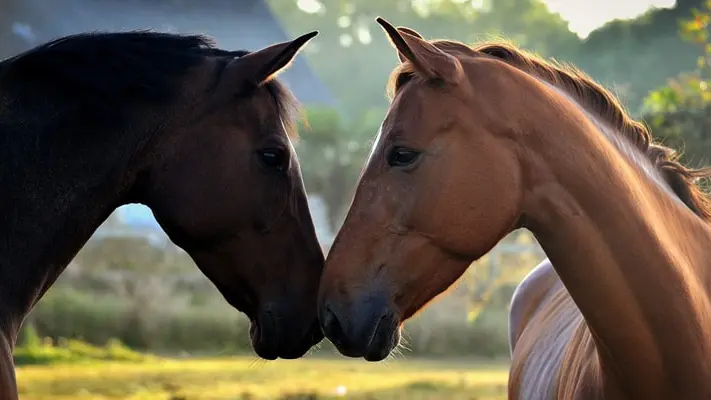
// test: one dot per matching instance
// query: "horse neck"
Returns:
(630, 254)
(56, 192)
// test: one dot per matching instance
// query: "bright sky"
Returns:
(587, 15)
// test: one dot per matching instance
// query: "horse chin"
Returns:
(264, 346)
(385, 340)
(268, 343)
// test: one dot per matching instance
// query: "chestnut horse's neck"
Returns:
(632, 256)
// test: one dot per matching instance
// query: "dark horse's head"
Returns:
(198, 134)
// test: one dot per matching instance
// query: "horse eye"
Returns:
(273, 158)
(401, 157)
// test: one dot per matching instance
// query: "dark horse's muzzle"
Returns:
(277, 332)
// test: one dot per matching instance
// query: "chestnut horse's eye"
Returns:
(273, 158)
(402, 157)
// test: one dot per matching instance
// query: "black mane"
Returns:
(107, 66)
(98, 75)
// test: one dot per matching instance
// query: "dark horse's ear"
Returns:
(427, 59)
(262, 65)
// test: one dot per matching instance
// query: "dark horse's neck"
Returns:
(58, 184)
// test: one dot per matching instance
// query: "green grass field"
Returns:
(247, 378)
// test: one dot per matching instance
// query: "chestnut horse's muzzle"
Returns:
(369, 328)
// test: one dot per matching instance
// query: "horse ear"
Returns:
(261, 66)
(427, 59)
(410, 32)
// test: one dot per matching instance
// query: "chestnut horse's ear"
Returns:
(262, 65)
(409, 31)
(427, 59)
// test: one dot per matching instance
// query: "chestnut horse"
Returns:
(478, 142)
(198, 134)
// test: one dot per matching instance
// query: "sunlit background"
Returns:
(133, 318)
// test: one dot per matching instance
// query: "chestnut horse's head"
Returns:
(440, 189)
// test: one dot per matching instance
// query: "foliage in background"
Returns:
(354, 58)
(32, 350)
(332, 152)
(688, 90)
(441, 330)
(680, 112)
(491, 280)
(97, 318)
(638, 55)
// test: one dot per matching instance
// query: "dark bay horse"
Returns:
(198, 134)
(480, 141)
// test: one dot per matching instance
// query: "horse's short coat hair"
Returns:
(143, 68)
(537, 145)
(683, 181)
(94, 121)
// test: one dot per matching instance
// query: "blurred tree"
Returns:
(637, 55)
(144, 275)
(528, 23)
(129, 264)
(498, 270)
(680, 112)
(351, 43)
(332, 156)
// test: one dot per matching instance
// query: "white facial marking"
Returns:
(378, 138)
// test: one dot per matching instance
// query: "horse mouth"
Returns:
(385, 338)
(270, 342)
(263, 343)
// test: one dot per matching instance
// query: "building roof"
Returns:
(235, 24)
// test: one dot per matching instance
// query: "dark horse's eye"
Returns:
(273, 158)
(401, 157)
